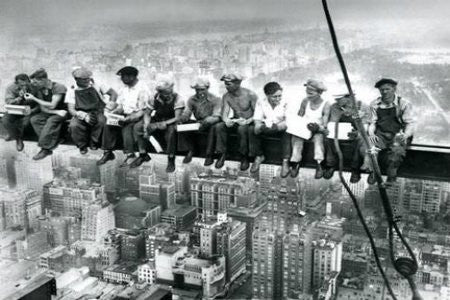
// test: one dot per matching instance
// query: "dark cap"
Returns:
(232, 77)
(39, 74)
(385, 81)
(128, 70)
(316, 84)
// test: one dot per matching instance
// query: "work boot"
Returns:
(128, 160)
(285, 168)
(391, 179)
(245, 164)
(221, 161)
(355, 177)
(19, 145)
(328, 172)
(83, 150)
(258, 161)
(42, 154)
(107, 156)
(371, 178)
(143, 157)
(170, 164)
(188, 158)
(209, 160)
(295, 168)
(319, 172)
(93, 147)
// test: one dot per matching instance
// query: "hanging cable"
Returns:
(406, 266)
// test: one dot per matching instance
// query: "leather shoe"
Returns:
(188, 158)
(221, 161)
(295, 168)
(371, 179)
(355, 177)
(42, 154)
(128, 160)
(107, 156)
(328, 172)
(93, 147)
(140, 160)
(208, 161)
(19, 145)
(170, 165)
(258, 161)
(83, 150)
(285, 168)
(391, 179)
(319, 172)
(245, 164)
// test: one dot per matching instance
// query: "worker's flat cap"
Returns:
(82, 73)
(164, 83)
(200, 83)
(128, 70)
(39, 74)
(385, 81)
(341, 96)
(232, 77)
(315, 84)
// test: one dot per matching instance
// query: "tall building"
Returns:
(133, 213)
(181, 216)
(96, 221)
(132, 245)
(3, 172)
(32, 174)
(147, 272)
(266, 175)
(32, 245)
(327, 258)
(109, 177)
(19, 208)
(69, 197)
(422, 196)
(214, 194)
(432, 196)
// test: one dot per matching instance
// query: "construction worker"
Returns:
(270, 120)
(310, 115)
(15, 124)
(48, 122)
(131, 103)
(162, 113)
(207, 110)
(391, 127)
(241, 102)
(342, 111)
(86, 103)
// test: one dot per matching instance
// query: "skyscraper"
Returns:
(32, 174)
(327, 258)
(96, 221)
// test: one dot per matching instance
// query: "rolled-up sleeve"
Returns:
(143, 99)
(217, 108)
(10, 94)
(259, 113)
(179, 103)
(373, 117)
(409, 118)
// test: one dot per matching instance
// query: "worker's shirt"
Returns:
(134, 98)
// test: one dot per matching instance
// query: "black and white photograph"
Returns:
(224, 149)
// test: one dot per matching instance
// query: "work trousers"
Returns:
(358, 153)
(15, 125)
(84, 134)
(298, 143)
(112, 134)
(211, 133)
(48, 128)
(166, 137)
(256, 141)
(244, 132)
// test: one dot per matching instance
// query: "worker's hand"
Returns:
(373, 139)
(229, 123)
(313, 127)
(241, 121)
(352, 134)
(81, 115)
(110, 106)
(209, 120)
(61, 113)
(400, 137)
(146, 133)
(161, 125)
(259, 128)
(28, 96)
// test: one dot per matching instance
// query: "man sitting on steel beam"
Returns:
(161, 115)
(86, 104)
(391, 127)
(270, 120)
(342, 111)
(131, 101)
(49, 121)
(15, 124)
(207, 110)
(241, 101)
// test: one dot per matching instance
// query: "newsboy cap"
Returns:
(82, 73)
(315, 84)
(385, 81)
(164, 83)
(200, 83)
(232, 77)
(128, 70)
(39, 74)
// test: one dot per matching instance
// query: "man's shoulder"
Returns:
(249, 93)
(375, 102)
(213, 98)
(58, 88)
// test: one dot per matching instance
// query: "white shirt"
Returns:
(133, 98)
(265, 113)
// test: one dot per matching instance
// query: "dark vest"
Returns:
(164, 110)
(88, 100)
(388, 121)
(47, 95)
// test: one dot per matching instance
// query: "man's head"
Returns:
(343, 100)
(22, 80)
(387, 88)
(201, 86)
(232, 82)
(82, 76)
(128, 75)
(274, 92)
(314, 88)
(164, 87)
(39, 78)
